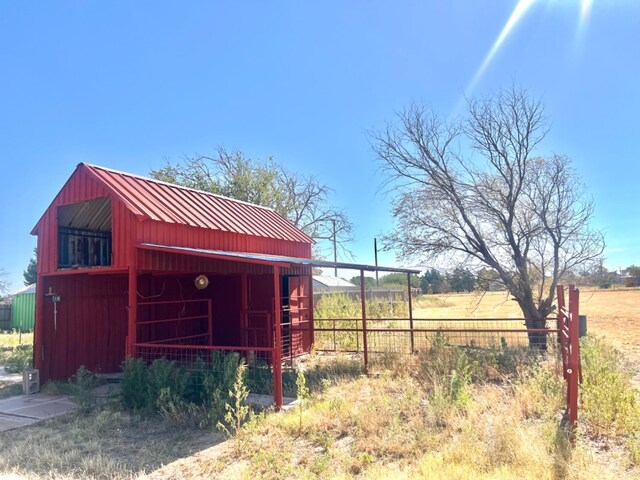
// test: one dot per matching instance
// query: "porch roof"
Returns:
(265, 259)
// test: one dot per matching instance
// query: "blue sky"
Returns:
(128, 85)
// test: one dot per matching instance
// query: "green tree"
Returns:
(633, 276)
(462, 280)
(486, 278)
(302, 199)
(434, 282)
(368, 281)
(633, 271)
(399, 279)
(30, 274)
(473, 189)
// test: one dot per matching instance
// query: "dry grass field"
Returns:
(611, 314)
(442, 415)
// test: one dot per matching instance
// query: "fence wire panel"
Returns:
(396, 335)
(198, 361)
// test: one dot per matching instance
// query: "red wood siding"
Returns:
(163, 262)
(90, 327)
(193, 237)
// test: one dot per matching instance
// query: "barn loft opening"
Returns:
(84, 234)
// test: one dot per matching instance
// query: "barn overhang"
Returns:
(273, 260)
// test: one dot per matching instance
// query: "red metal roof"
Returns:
(169, 203)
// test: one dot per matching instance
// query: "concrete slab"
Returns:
(24, 410)
(266, 401)
(9, 377)
(10, 422)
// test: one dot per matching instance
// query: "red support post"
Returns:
(210, 321)
(244, 309)
(574, 356)
(312, 325)
(363, 300)
(560, 308)
(277, 347)
(132, 305)
(410, 311)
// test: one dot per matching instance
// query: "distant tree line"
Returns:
(433, 281)
(465, 280)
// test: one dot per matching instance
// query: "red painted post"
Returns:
(574, 357)
(133, 304)
(577, 327)
(560, 307)
(244, 309)
(363, 300)
(210, 321)
(312, 325)
(277, 347)
(410, 311)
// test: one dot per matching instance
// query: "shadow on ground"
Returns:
(104, 443)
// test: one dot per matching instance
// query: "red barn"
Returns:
(133, 266)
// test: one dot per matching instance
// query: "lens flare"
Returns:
(585, 9)
(514, 19)
(585, 13)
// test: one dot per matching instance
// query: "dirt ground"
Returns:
(612, 314)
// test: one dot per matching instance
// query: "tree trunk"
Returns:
(534, 320)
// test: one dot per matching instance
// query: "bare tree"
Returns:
(5, 284)
(302, 199)
(473, 190)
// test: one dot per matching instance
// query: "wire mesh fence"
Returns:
(404, 336)
(374, 344)
(197, 361)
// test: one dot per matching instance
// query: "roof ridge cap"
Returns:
(181, 187)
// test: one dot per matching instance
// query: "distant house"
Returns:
(323, 284)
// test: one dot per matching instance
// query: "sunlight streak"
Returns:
(585, 12)
(516, 16)
(585, 9)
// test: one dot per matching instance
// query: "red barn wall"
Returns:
(185, 236)
(81, 187)
(90, 325)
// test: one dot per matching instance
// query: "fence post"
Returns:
(410, 311)
(277, 350)
(574, 357)
(363, 299)
(560, 308)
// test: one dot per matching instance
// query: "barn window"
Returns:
(84, 234)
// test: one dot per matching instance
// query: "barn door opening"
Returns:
(84, 234)
(296, 315)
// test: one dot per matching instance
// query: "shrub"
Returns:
(17, 359)
(236, 411)
(609, 402)
(133, 387)
(80, 386)
(164, 375)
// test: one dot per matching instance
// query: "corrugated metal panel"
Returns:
(270, 259)
(23, 311)
(170, 203)
(90, 214)
(89, 328)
